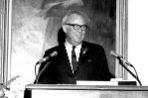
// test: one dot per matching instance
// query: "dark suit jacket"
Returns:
(92, 65)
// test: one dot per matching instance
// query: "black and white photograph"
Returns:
(71, 47)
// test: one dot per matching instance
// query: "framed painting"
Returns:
(29, 27)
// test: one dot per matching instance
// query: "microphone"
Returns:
(122, 62)
(121, 58)
(53, 54)
(44, 59)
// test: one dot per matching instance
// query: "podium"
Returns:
(84, 91)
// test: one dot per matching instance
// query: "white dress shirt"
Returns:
(68, 47)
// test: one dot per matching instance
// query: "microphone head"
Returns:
(115, 54)
(53, 54)
(44, 59)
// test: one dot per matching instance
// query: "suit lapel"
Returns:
(64, 57)
(83, 52)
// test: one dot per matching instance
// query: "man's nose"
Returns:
(80, 30)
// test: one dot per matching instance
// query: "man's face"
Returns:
(75, 29)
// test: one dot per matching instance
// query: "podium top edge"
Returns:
(85, 87)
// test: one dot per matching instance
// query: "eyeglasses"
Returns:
(78, 27)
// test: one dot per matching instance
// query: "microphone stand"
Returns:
(135, 76)
(39, 73)
(38, 64)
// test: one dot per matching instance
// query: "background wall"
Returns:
(138, 37)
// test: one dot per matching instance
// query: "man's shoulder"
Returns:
(95, 49)
(92, 45)
(53, 50)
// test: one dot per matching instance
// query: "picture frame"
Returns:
(30, 15)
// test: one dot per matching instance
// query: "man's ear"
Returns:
(64, 27)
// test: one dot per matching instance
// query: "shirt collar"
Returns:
(69, 46)
(69, 49)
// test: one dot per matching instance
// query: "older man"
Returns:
(75, 59)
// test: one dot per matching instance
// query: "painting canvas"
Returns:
(35, 26)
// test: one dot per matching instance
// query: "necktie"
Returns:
(74, 61)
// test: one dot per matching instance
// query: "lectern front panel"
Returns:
(76, 91)
(87, 94)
